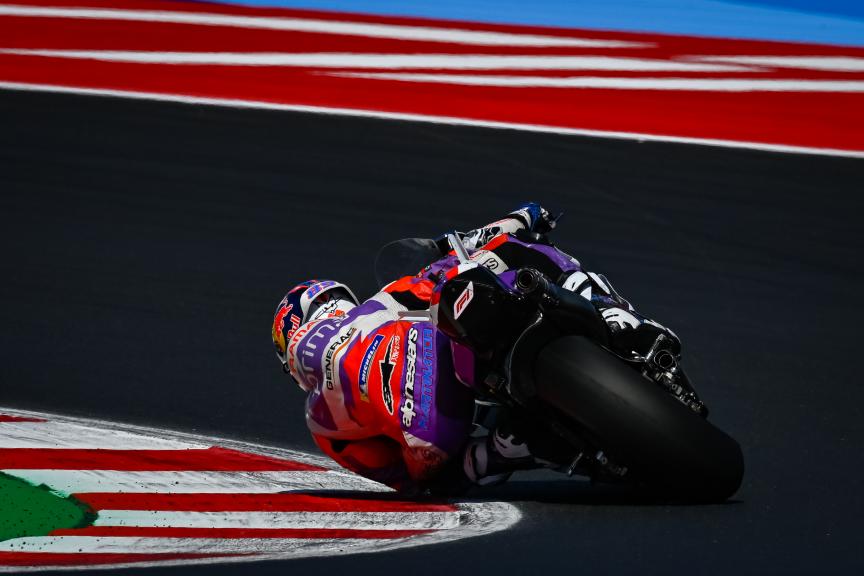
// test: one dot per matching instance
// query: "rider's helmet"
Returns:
(310, 300)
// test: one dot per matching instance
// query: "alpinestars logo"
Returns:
(407, 409)
(386, 365)
(463, 300)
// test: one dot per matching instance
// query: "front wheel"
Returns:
(639, 425)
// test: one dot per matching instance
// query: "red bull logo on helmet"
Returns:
(280, 338)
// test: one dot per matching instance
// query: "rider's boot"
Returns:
(630, 333)
(490, 460)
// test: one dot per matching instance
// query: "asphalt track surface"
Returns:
(146, 244)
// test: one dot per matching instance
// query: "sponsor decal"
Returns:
(407, 408)
(490, 263)
(365, 364)
(279, 326)
(280, 338)
(463, 300)
(387, 365)
(316, 289)
(294, 340)
(489, 260)
(427, 377)
(309, 351)
(302, 286)
(329, 357)
(394, 354)
(295, 323)
(329, 309)
(417, 408)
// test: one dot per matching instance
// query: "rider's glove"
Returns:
(531, 216)
(535, 217)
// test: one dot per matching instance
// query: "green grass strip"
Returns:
(27, 510)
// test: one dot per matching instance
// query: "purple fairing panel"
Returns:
(464, 364)
(434, 406)
(564, 261)
(508, 278)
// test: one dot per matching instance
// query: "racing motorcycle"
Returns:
(625, 419)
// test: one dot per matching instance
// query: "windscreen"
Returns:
(404, 257)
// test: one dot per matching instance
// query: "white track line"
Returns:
(186, 439)
(689, 84)
(67, 435)
(78, 481)
(475, 519)
(392, 61)
(831, 63)
(450, 120)
(392, 31)
(138, 545)
(346, 520)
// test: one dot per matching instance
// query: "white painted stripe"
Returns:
(830, 63)
(136, 545)
(690, 84)
(393, 31)
(394, 61)
(74, 481)
(67, 435)
(349, 520)
(475, 518)
(450, 120)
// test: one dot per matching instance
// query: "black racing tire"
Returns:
(638, 424)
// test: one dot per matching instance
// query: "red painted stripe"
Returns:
(801, 119)
(211, 459)
(231, 533)
(255, 502)
(697, 43)
(86, 559)
(10, 418)
(91, 34)
(826, 120)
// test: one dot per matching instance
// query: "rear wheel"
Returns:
(661, 441)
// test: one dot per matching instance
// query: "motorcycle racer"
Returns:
(391, 397)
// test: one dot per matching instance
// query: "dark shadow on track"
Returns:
(577, 493)
(145, 246)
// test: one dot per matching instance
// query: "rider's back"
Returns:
(384, 401)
